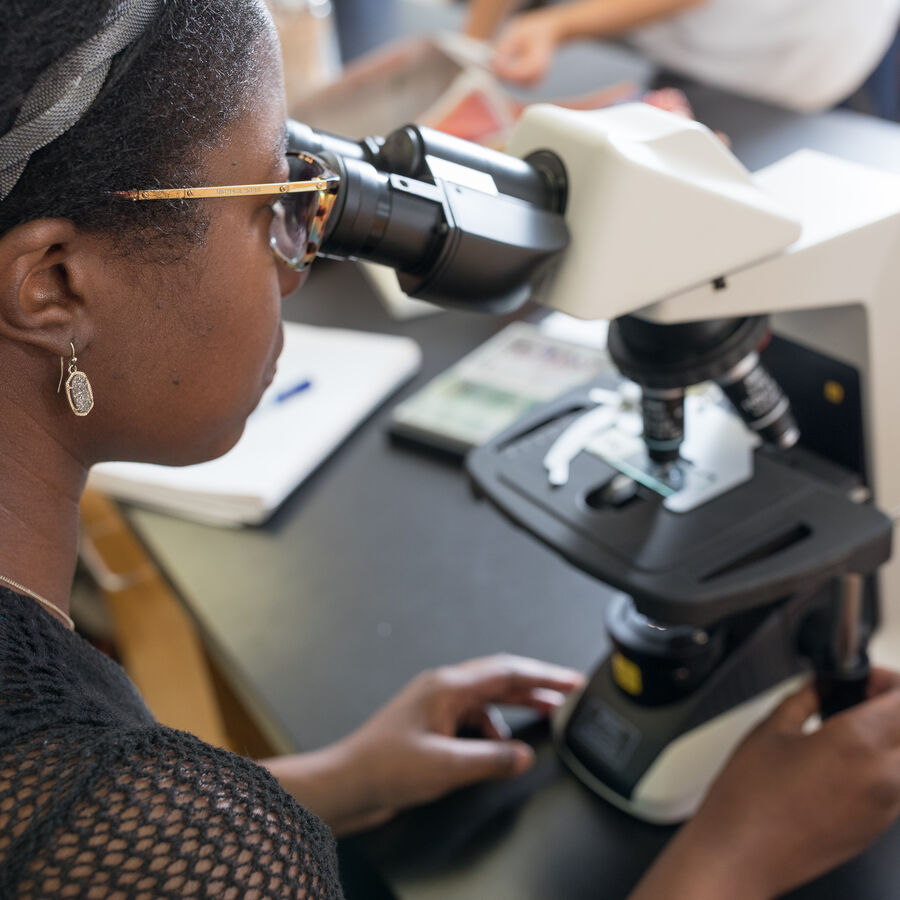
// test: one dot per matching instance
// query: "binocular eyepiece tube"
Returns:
(462, 225)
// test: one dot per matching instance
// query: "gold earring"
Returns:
(78, 388)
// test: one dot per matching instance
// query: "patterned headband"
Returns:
(65, 91)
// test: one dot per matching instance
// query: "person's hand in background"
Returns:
(524, 49)
(483, 17)
(790, 805)
(409, 751)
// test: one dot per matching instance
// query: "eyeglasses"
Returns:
(299, 212)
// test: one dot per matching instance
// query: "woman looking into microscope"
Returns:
(164, 316)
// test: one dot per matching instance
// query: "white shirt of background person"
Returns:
(804, 54)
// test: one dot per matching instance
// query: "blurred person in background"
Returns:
(806, 55)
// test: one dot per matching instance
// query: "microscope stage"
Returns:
(784, 530)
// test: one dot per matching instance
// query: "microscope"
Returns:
(728, 485)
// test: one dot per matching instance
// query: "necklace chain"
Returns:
(50, 607)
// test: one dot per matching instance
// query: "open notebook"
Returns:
(349, 373)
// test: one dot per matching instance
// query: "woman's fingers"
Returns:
(878, 718)
(512, 679)
(488, 722)
(542, 699)
(794, 710)
(880, 714)
(882, 680)
(465, 761)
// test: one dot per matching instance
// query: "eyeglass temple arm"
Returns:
(231, 190)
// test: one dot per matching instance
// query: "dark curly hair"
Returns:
(168, 97)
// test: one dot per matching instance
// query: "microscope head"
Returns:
(656, 204)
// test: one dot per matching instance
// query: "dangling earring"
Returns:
(78, 388)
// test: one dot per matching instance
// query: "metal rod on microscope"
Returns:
(847, 634)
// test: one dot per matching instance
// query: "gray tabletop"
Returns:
(382, 563)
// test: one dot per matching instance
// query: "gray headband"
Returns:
(65, 91)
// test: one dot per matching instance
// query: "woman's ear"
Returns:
(43, 284)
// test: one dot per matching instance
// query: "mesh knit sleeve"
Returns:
(152, 813)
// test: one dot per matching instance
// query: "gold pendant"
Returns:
(78, 390)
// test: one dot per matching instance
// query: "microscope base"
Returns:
(675, 783)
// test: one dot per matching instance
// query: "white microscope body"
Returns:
(667, 225)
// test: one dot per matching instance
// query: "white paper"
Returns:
(350, 372)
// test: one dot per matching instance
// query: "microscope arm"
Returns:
(849, 229)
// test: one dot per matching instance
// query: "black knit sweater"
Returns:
(99, 801)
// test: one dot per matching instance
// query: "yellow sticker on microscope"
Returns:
(627, 675)
(834, 392)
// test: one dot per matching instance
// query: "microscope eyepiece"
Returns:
(460, 224)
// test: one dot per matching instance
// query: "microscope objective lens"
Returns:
(761, 402)
(663, 413)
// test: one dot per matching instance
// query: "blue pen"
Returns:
(298, 388)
